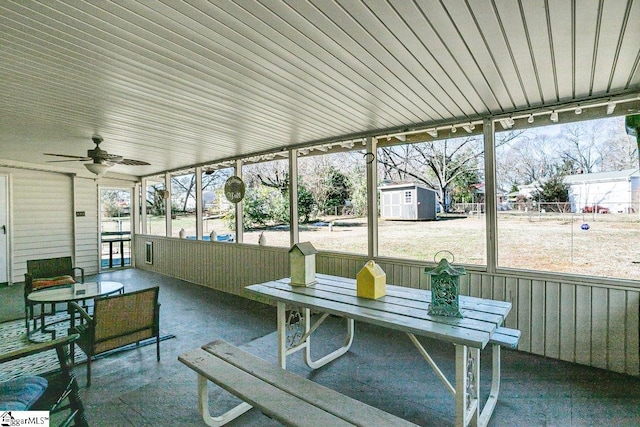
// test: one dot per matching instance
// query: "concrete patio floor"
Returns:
(382, 368)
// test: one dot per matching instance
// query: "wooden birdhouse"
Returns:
(302, 260)
(371, 281)
(445, 289)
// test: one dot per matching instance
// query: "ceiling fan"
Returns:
(101, 160)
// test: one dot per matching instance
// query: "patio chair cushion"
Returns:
(21, 393)
(52, 281)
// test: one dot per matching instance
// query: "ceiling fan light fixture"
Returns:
(97, 168)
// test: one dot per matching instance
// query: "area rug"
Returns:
(13, 336)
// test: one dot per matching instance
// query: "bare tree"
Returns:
(583, 145)
(529, 158)
(439, 165)
(621, 150)
(273, 174)
(183, 186)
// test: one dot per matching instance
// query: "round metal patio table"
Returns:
(67, 294)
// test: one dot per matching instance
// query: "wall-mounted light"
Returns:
(610, 107)
(507, 123)
(578, 110)
(530, 119)
(554, 116)
(453, 129)
(469, 128)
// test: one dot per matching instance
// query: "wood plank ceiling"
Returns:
(178, 83)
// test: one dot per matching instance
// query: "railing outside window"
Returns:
(115, 249)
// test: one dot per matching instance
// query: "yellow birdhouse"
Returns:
(302, 262)
(371, 281)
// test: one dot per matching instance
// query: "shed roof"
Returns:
(405, 185)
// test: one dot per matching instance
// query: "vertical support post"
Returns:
(294, 220)
(372, 197)
(199, 219)
(167, 204)
(239, 206)
(282, 335)
(488, 128)
(137, 206)
(74, 219)
(136, 209)
(143, 208)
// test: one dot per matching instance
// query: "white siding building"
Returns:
(617, 191)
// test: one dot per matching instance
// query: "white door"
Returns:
(4, 224)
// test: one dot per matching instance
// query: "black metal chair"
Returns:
(57, 392)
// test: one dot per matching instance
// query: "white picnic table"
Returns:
(402, 309)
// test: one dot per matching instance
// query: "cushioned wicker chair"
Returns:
(118, 321)
(45, 273)
(56, 392)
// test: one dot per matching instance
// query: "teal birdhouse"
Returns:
(445, 289)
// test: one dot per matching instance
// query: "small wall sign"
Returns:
(234, 189)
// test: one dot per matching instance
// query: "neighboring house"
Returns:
(615, 192)
(408, 201)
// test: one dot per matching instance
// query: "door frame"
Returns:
(132, 218)
(5, 181)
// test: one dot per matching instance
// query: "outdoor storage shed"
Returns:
(408, 202)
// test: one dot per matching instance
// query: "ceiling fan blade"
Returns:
(68, 160)
(131, 162)
(112, 158)
(84, 158)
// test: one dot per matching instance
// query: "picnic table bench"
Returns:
(279, 394)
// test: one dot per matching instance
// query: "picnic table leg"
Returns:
(294, 334)
(203, 406)
(489, 406)
(334, 354)
(467, 385)
(282, 335)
